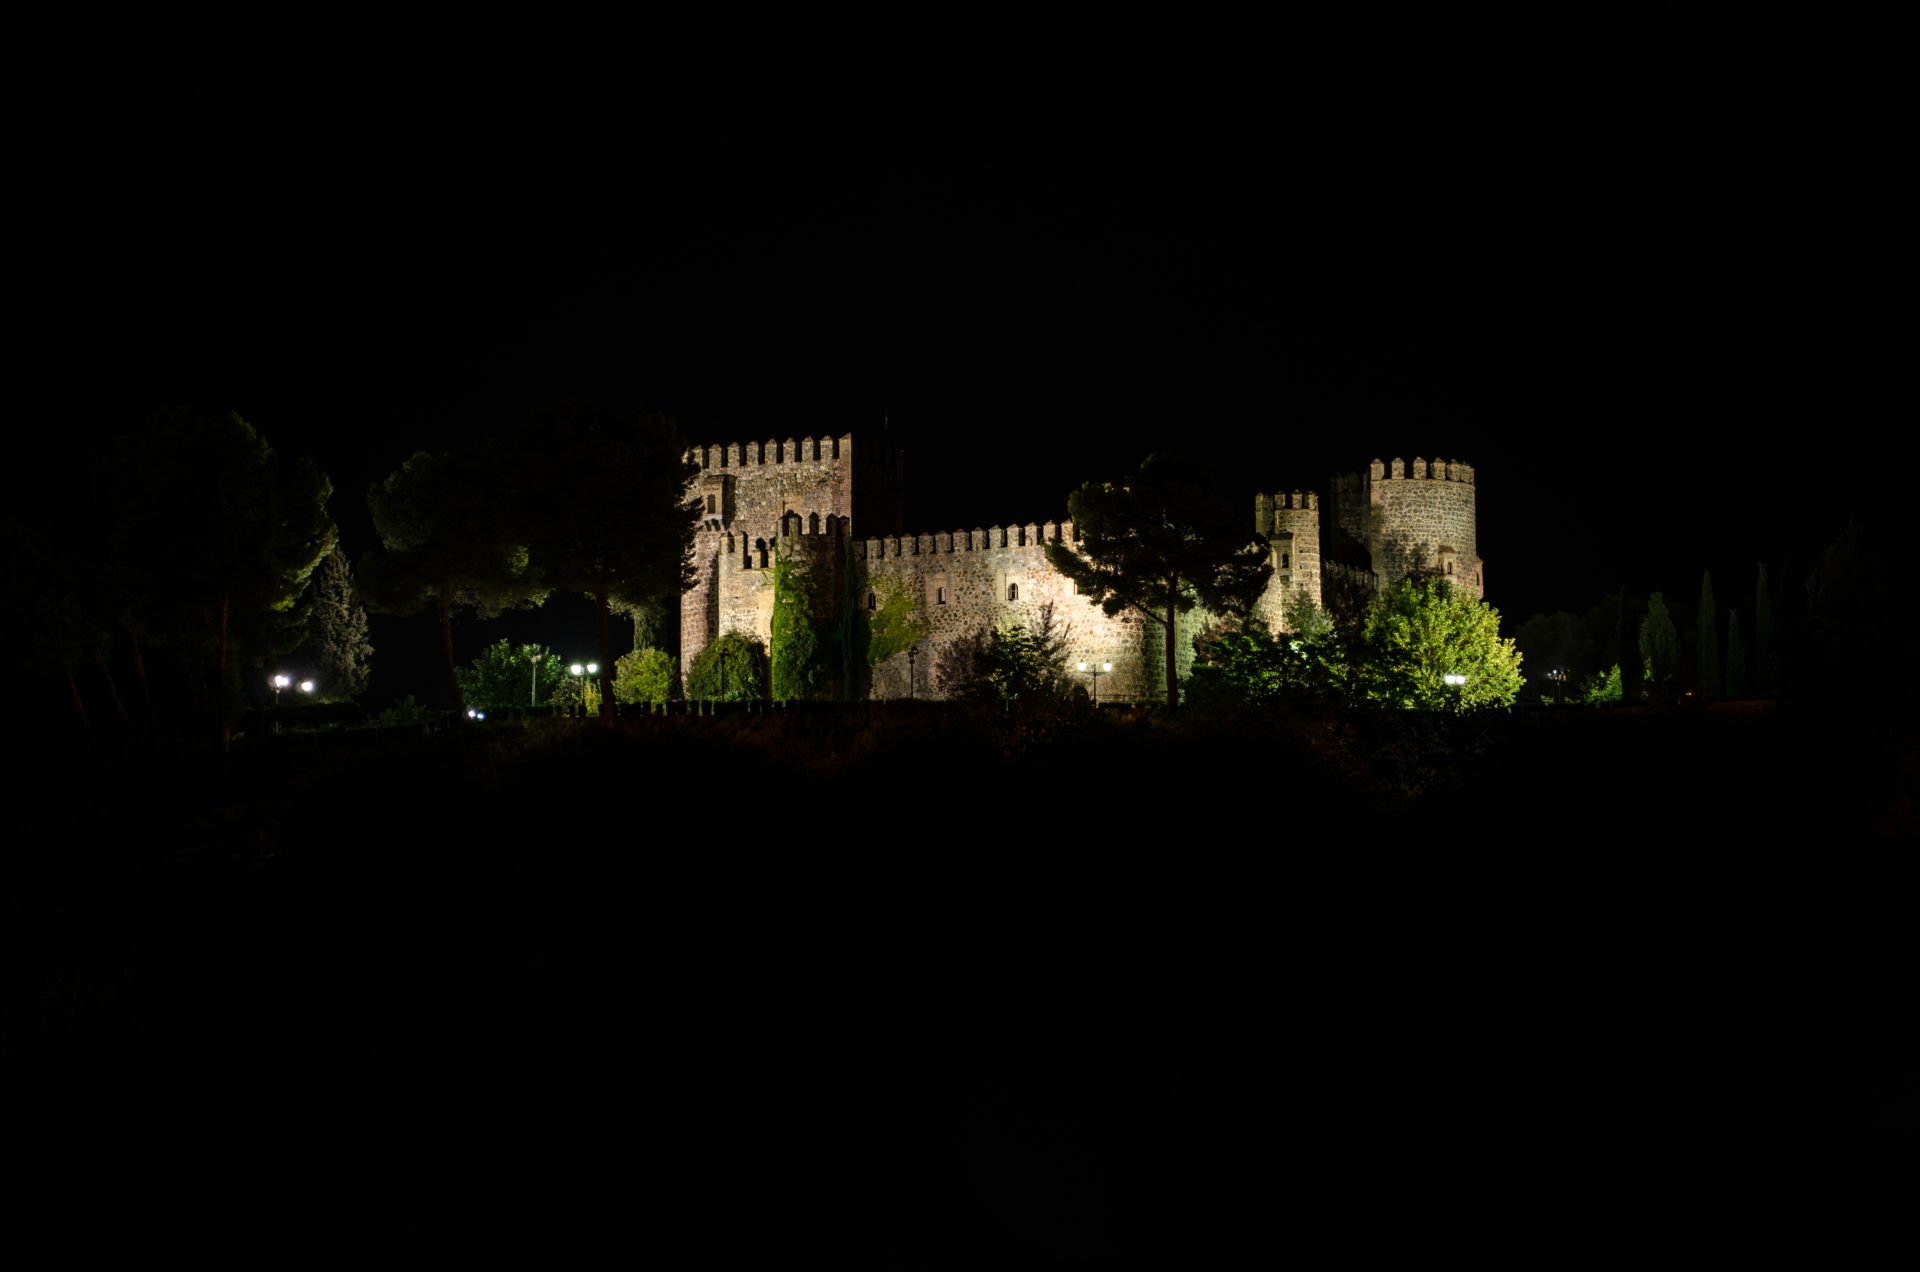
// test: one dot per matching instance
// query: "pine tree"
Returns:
(338, 631)
(1763, 666)
(1708, 648)
(1736, 658)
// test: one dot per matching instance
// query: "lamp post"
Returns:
(1559, 677)
(533, 687)
(279, 683)
(913, 652)
(590, 669)
(1094, 673)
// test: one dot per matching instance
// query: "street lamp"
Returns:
(1095, 673)
(279, 683)
(591, 669)
(1559, 677)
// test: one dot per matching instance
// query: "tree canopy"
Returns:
(603, 502)
(1162, 543)
(1424, 630)
(450, 537)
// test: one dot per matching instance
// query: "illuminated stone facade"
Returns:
(820, 493)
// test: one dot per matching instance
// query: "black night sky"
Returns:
(1653, 277)
(1650, 283)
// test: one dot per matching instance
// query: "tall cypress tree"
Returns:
(1763, 665)
(1709, 639)
(337, 631)
(1736, 658)
(1659, 642)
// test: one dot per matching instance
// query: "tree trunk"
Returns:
(113, 690)
(73, 687)
(606, 664)
(446, 648)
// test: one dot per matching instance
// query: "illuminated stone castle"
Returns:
(839, 509)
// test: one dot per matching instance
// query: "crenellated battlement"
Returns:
(1420, 470)
(1034, 534)
(773, 452)
(809, 497)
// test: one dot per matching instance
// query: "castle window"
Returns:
(873, 602)
(1013, 591)
(1286, 560)
(939, 596)
(1449, 567)
(711, 506)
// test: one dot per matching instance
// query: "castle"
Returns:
(807, 497)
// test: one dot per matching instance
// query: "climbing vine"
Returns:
(795, 640)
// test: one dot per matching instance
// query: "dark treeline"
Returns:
(1823, 623)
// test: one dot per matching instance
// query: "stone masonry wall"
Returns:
(974, 580)
(1423, 516)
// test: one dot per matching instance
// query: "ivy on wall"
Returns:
(794, 644)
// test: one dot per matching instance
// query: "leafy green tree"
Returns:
(1426, 629)
(603, 493)
(337, 632)
(730, 669)
(508, 675)
(1160, 544)
(794, 646)
(1305, 619)
(1659, 643)
(1707, 634)
(1016, 663)
(449, 538)
(1250, 669)
(1600, 689)
(645, 676)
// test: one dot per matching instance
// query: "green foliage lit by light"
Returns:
(795, 644)
(508, 675)
(1017, 663)
(1426, 629)
(645, 676)
(898, 620)
(1601, 689)
(730, 669)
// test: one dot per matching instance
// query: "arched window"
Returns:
(1013, 591)
(873, 602)
(939, 596)
(1286, 560)
(1449, 567)
(712, 505)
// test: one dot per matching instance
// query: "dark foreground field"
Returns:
(901, 990)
